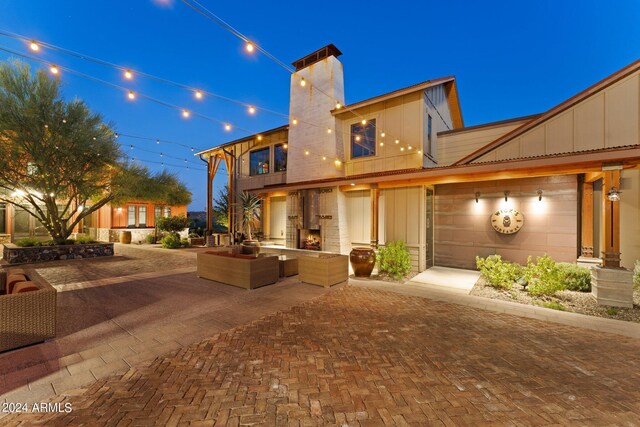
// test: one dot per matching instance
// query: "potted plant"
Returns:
(250, 207)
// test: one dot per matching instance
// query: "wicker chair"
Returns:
(27, 317)
(325, 270)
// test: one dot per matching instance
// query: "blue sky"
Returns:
(510, 58)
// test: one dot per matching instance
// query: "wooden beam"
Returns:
(212, 168)
(375, 196)
(592, 176)
(266, 216)
(586, 246)
(229, 159)
(356, 187)
(611, 223)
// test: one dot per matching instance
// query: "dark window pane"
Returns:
(429, 150)
(142, 216)
(279, 158)
(259, 162)
(131, 216)
(157, 212)
(363, 139)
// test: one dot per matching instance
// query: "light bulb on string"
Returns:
(54, 70)
(198, 94)
(227, 127)
(285, 145)
(401, 148)
(382, 134)
(192, 149)
(306, 152)
(157, 141)
(249, 47)
(128, 74)
(328, 130)
(131, 95)
(382, 144)
(364, 122)
(185, 113)
(259, 138)
(410, 147)
(357, 137)
(251, 109)
(338, 105)
(303, 82)
(294, 121)
(397, 141)
(34, 46)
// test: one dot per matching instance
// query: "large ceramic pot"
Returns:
(362, 261)
(125, 237)
(250, 247)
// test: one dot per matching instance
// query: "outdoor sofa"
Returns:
(27, 309)
(244, 271)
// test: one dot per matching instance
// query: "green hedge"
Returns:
(394, 259)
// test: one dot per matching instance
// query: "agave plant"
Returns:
(250, 205)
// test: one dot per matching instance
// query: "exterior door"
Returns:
(25, 225)
(429, 227)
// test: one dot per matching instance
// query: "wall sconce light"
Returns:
(506, 196)
(477, 196)
(539, 195)
(613, 194)
(119, 210)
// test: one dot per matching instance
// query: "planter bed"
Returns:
(13, 254)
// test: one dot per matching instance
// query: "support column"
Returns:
(266, 216)
(375, 197)
(229, 159)
(586, 249)
(611, 224)
(212, 168)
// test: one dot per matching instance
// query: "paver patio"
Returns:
(362, 356)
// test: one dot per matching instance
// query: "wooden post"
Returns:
(586, 248)
(611, 223)
(212, 168)
(266, 216)
(375, 196)
(229, 162)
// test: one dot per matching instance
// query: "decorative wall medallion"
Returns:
(507, 221)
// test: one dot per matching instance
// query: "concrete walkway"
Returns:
(447, 279)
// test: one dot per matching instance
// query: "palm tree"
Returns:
(250, 205)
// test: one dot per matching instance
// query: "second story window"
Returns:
(279, 158)
(259, 162)
(363, 139)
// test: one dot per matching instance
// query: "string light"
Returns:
(128, 74)
(249, 47)
(198, 94)
(382, 134)
(397, 141)
(294, 121)
(328, 130)
(401, 148)
(252, 109)
(227, 127)
(382, 144)
(131, 95)
(364, 122)
(259, 137)
(285, 145)
(357, 137)
(338, 105)
(185, 113)
(324, 158)
(303, 82)
(54, 70)
(34, 46)
(306, 152)
(157, 141)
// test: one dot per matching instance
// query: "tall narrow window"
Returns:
(279, 158)
(131, 216)
(3, 218)
(142, 216)
(429, 146)
(167, 211)
(259, 162)
(363, 139)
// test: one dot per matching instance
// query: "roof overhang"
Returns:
(220, 147)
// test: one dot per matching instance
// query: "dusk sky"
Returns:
(509, 58)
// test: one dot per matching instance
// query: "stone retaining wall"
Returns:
(16, 255)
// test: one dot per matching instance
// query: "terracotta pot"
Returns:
(362, 261)
(251, 247)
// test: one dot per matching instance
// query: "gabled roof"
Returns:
(245, 139)
(563, 106)
(451, 90)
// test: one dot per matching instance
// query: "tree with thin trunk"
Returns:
(250, 205)
(59, 161)
(221, 207)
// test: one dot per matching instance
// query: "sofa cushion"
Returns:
(24, 287)
(13, 279)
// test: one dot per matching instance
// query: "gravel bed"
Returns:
(576, 302)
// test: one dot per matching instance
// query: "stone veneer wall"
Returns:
(463, 228)
(17, 255)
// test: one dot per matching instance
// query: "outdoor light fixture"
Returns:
(382, 134)
(506, 196)
(198, 94)
(294, 121)
(34, 46)
(285, 145)
(397, 141)
(613, 194)
(252, 109)
(382, 144)
(185, 113)
(364, 122)
(249, 47)
(303, 82)
(338, 105)
(227, 127)
(128, 74)
(131, 95)
(260, 138)
(477, 196)
(306, 152)
(54, 69)
(539, 195)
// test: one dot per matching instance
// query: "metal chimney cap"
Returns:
(317, 56)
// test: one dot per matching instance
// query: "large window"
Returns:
(131, 216)
(279, 158)
(363, 139)
(259, 162)
(142, 216)
(136, 216)
(3, 218)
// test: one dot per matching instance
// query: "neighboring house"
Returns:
(402, 166)
(104, 225)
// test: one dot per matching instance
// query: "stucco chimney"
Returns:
(310, 105)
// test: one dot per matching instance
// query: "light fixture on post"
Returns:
(506, 196)
(539, 192)
(613, 194)
(477, 196)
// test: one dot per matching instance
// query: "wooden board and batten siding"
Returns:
(359, 217)
(278, 219)
(402, 215)
(609, 118)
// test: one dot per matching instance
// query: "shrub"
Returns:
(173, 224)
(27, 242)
(171, 241)
(150, 238)
(84, 240)
(498, 273)
(544, 277)
(636, 274)
(185, 243)
(574, 277)
(394, 259)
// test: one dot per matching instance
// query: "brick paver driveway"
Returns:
(368, 357)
